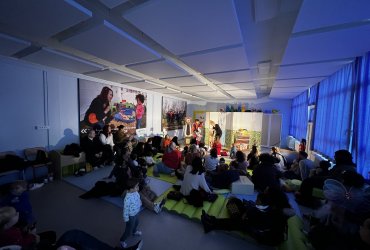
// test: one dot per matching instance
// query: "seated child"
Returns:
(10, 234)
(233, 150)
(149, 159)
(19, 199)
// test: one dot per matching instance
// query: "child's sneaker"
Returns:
(123, 244)
(137, 233)
(157, 208)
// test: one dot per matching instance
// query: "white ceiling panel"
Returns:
(231, 77)
(188, 26)
(105, 42)
(291, 83)
(142, 85)
(328, 45)
(217, 61)
(296, 89)
(113, 76)
(183, 81)
(212, 94)
(158, 69)
(113, 3)
(236, 86)
(10, 45)
(283, 95)
(165, 91)
(194, 89)
(187, 97)
(61, 61)
(310, 70)
(243, 93)
(40, 18)
(330, 12)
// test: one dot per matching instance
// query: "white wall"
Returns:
(33, 95)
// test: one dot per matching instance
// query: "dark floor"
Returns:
(57, 207)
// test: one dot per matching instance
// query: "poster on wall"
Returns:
(173, 114)
(102, 104)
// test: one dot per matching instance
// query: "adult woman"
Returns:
(194, 178)
(99, 111)
(106, 139)
(218, 132)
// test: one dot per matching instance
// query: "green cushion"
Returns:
(296, 238)
(318, 193)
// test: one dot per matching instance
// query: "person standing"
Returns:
(140, 109)
(131, 208)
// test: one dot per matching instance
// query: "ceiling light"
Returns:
(264, 67)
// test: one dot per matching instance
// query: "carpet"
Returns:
(88, 181)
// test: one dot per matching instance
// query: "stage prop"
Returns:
(242, 128)
(187, 130)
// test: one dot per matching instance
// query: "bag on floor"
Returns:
(235, 207)
(195, 198)
(174, 195)
(212, 197)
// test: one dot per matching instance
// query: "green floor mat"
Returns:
(217, 208)
(163, 177)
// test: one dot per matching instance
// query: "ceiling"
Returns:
(213, 50)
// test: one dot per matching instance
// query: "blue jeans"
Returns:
(131, 227)
(82, 241)
(160, 167)
(138, 123)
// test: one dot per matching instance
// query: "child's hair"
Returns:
(197, 165)
(133, 156)
(201, 144)
(18, 183)
(213, 153)
(140, 97)
(325, 165)
(264, 199)
(131, 183)
(6, 213)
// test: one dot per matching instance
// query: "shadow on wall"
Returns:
(68, 138)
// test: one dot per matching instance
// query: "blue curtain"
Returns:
(299, 113)
(313, 94)
(333, 112)
(361, 137)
